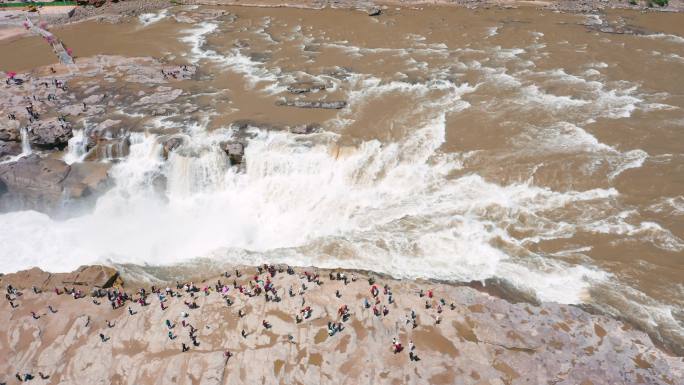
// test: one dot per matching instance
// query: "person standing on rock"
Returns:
(396, 346)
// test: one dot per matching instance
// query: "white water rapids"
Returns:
(305, 200)
(403, 207)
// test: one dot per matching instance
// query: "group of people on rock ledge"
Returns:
(262, 282)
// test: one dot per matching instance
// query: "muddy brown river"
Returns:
(519, 144)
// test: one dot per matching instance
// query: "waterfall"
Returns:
(196, 170)
(77, 147)
(25, 144)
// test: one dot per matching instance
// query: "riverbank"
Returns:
(461, 335)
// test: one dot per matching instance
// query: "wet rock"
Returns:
(374, 11)
(616, 27)
(304, 129)
(243, 128)
(50, 133)
(339, 73)
(261, 57)
(311, 48)
(109, 149)
(241, 44)
(235, 151)
(9, 131)
(305, 87)
(45, 184)
(107, 127)
(331, 105)
(170, 144)
(109, 140)
(9, 149)
(86, 179)
(32, 182)
(244, 124)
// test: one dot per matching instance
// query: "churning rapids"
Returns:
(509, 144)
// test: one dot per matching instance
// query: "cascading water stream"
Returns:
(77, 146)
(25, 142)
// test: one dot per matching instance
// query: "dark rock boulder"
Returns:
(374, 11)
(235, 151)
(109, 140)
(9, 131)
(32, 182)
(9, 148)
(329, 105)
(305, 87)
(47, 184)
(49, 133)
(86, 179)
(245, 124)
(169, 144)
(260, 57)
(304, 129)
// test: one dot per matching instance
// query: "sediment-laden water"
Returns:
(517, 144)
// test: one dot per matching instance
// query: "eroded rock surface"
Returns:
(480, 339)
(32, 182)
(49, 133)
(305, 87)
(9, 130)
(9, 148)
(98, 98)
(43, 183)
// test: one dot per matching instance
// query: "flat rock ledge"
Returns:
(461, 335)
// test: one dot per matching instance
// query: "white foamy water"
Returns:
(196, 37)
(667, 37)
(77, 147)
(409, 204)
(389, 207)
(147, 19)
(25, 144)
